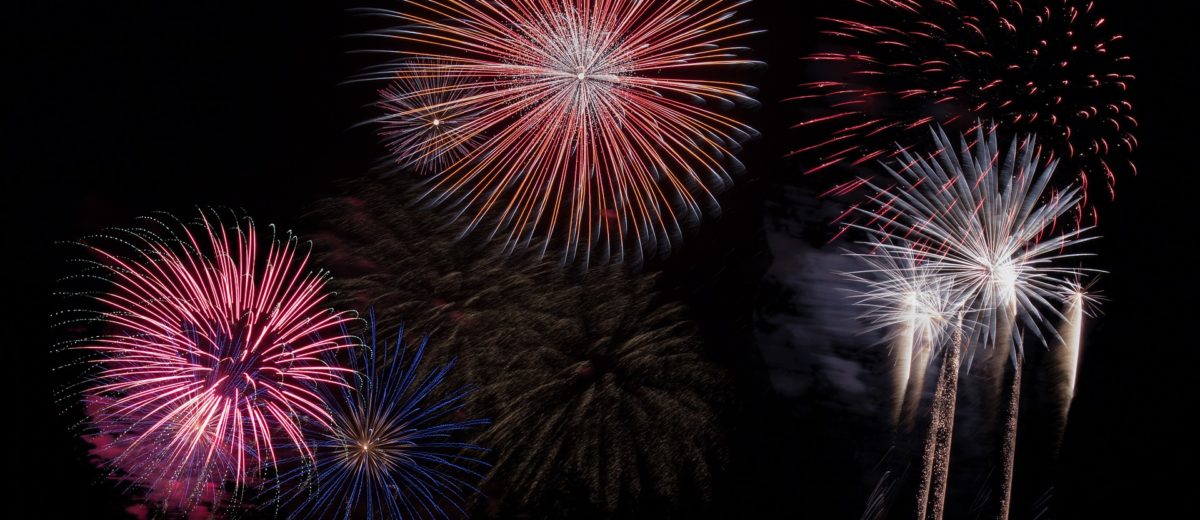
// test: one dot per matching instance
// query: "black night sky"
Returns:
(123, 108)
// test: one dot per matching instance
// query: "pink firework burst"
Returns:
(211, 351)
(1045, 67)
(596, 127)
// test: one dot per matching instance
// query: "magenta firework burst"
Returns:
(1046, 67)
(599, 127)
(213, 340)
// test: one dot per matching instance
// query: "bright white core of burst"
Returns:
(920, 314)
(1003, 275)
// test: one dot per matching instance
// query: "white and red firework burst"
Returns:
(595, 125)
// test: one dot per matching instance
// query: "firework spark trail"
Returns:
(1008, 449)
(1068, 355)
(1047, 67)
(592, 121)
(1072, 344)
(213, 345)
(1001, 355)
(935, 470)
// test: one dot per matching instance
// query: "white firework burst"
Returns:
(983, 220)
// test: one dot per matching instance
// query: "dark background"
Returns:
(130, 107)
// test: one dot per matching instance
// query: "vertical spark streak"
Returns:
(1009, 447)
(1067, 358)
(903, 351)
(931, 498)
(1069, 353)
(916, 386)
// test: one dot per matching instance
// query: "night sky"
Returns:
(124, 109)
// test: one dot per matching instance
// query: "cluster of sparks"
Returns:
(590, 124)
(967, 243)
(392, 451)
(1044, 67)
(219, 370)
(212, 351)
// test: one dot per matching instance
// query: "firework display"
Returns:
(592, 126)
(213, 341)
(579, 315)
(973, 225)
(584, 347)
(396, 447)
(1046, 67)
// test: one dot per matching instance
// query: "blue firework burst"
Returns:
(395, 449)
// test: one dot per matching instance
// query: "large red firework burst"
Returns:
(596, 128)
(211, 350)
(1045, 67)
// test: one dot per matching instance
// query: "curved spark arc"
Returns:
(1045, 67)
(590, 122)
(206, 373)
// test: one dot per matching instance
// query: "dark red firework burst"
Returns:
(1045, 67)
